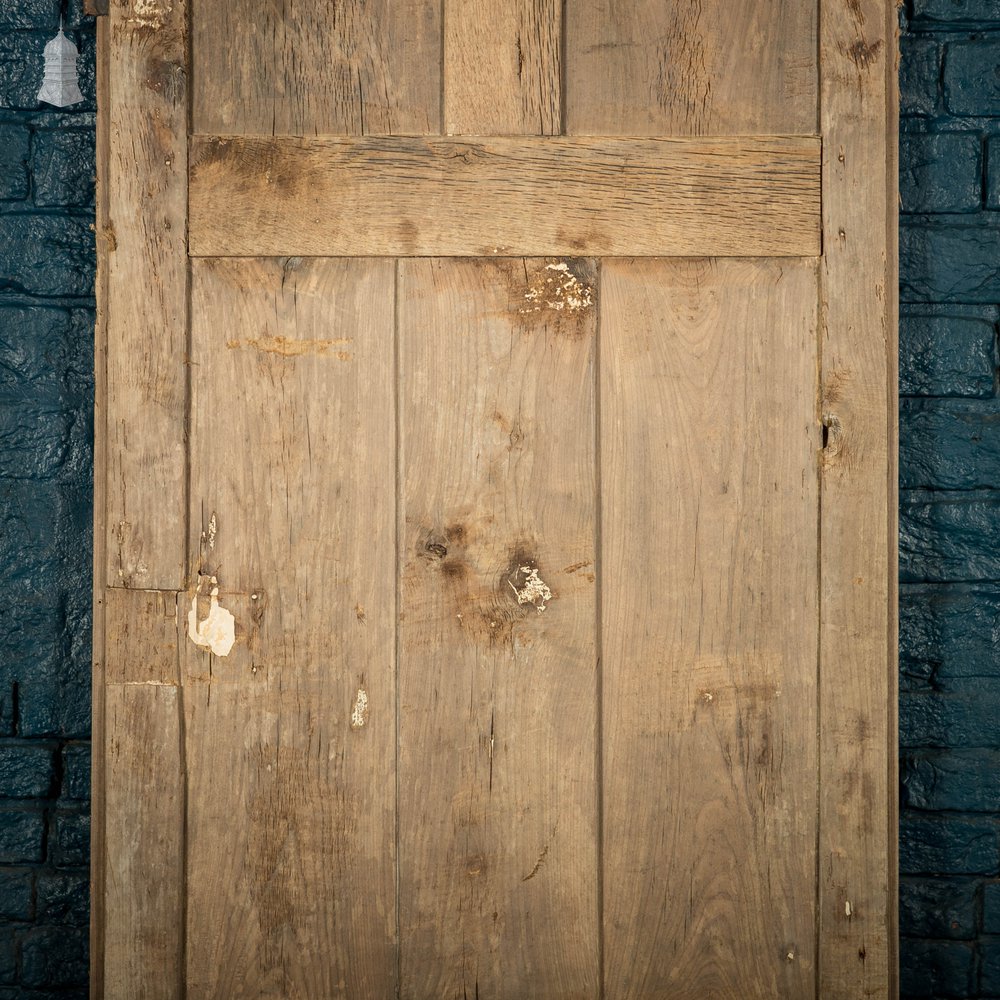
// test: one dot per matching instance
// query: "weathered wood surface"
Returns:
(359, 67)
(291, 734)
(709, 437)
(513, 196)
(497, 669)
(98, 726)
(857, 779)
(143, 831)
(711, 67)
(146, 264)
(503, 62)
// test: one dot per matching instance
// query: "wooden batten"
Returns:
(857, 731)
(505, 196)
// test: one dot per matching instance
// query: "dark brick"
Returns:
(949, 634)
(949, 261)
(972, 77)
(76, 771)
(21, 835)
(20, 65)
(940, 173)
(948, 720)
(991, 907)
(938, 907)
(948, 536)
(26, 771)
(46, 254)
(13, 161)
(993, 173)
(62, 164)
(956, 11)
(989, 948)
(70, 839)
(937, 968)
(946, 355)
(948, 845)
(54, 956)
(919, 76)
(29, 14)
(64, 898)
(962, 780)
(947, 444)
(16, 886)
(8, 955)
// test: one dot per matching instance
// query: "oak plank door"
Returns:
(494, 533)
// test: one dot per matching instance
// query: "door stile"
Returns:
(858, 848)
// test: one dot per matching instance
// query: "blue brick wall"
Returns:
(949, 481)
(46, 399)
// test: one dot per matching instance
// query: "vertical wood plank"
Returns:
(144, 799)
(359, 67)
(497, 789)
(709, 436)
(291, 732)
(858, 640)
(503, 67)
(694, 67)
(98, 727)
(146, 260)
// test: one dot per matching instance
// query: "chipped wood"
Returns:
(505, 196)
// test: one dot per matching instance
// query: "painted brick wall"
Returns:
(950, 499)
(46, 396)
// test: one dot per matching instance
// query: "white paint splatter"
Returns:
(533, 591)
(217, 631)
(848, 909)
(563, 290)
(360, 714)
(150, 13)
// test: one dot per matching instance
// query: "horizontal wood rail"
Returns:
(505, 196)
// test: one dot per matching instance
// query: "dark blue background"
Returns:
(46, 466)
(949, 503)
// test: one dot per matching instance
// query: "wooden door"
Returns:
(495, 500)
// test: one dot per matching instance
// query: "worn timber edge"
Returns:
(138, 885)
(98, 733)
(505, 196)
(857, 947)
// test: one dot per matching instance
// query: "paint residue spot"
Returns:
(561, 290)
(217, 631)
(150, 13)
(532, 590)
(359, 715)
(848, 909)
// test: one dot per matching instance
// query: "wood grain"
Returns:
(502, 67)
(291, 736)
(98, 724)
(497, 789)
(697, 67)
(357, 67)
(141, 641)
(143, 818)
(709, 437)
(146, 333)
(858, 641)
(509, 196)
